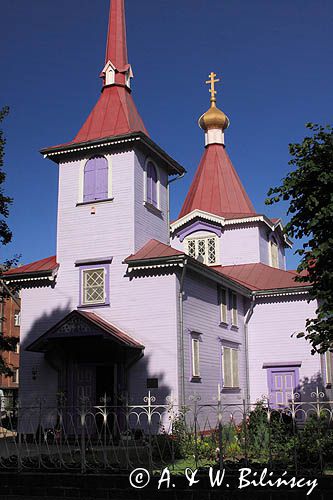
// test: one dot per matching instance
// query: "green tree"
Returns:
(309, 190)
(6, 343)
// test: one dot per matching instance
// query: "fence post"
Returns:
(269, 421)
(245, 431)
(318, 394)
(83, 437)
(293, 415)
(19, 455)
(150, 399)
(219, 414)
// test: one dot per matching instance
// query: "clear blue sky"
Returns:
(275, 58)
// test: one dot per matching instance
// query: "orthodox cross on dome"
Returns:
(212, 80)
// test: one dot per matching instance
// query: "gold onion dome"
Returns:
(214, 118)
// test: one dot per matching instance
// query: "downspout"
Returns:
(181, 362)
(246, 332)
(168, 201)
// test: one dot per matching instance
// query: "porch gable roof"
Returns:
(83, 324)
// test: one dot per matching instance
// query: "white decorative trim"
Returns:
(153, 266)
(226, 222)
(37, 278)
(93, 146)
(276, 293)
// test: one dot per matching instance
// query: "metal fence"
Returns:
(87, 438)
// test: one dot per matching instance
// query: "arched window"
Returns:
(203, 248)
(152, 184)
(95, 184)
(274, 252)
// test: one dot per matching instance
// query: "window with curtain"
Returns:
(95, 184)
(223, 305)
(195, 357)
(152, 182)
(234, 309)
(274, 249)
(230, 367)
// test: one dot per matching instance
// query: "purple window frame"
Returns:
(152, 181)
(86, 267)
(96, 179)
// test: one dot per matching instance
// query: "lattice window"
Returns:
(191, 248)
(94, 286)
(211, 251)
(203, 249)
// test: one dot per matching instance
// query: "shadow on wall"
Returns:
(143, 379)
(35, 379)
(312, 388)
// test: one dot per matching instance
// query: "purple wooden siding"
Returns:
(151, 184)
(96, 179)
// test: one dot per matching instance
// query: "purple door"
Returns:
(281, 384)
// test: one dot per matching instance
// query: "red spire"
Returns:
(216, 187)
(115, 112)
(116, 46)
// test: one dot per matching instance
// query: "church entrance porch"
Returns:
(92, 358)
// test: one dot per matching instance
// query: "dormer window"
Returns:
(95, 184)
(274, 252)
(152, 184)
(202, 248)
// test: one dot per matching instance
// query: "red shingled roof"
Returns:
(114, 114)
(111, 329)
(154, 249)
(216, 187)
(259, 276)
(40, 266)
(255, 277)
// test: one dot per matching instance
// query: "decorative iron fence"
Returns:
(297, 437)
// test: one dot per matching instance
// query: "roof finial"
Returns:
(212, 80)
(117, 71)
(214, 121)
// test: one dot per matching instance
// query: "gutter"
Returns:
(246, 343)
(181, 360)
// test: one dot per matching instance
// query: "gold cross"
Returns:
(212, 82)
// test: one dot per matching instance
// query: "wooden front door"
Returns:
(281, 384)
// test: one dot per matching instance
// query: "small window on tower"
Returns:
(95, 184)
(152, 184)
(274, 251)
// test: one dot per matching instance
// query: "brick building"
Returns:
(10, 327)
